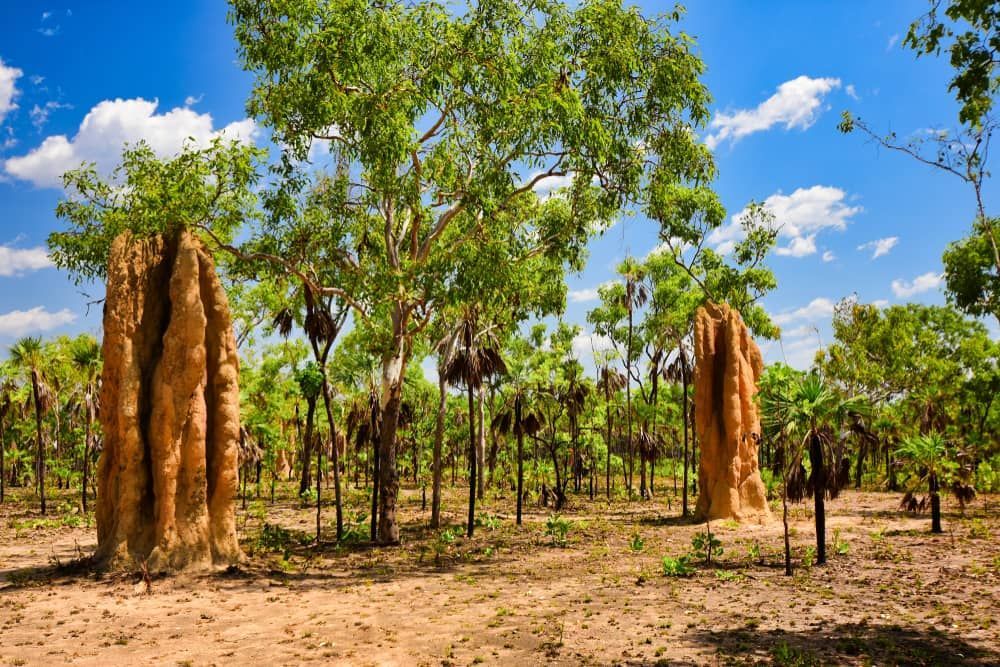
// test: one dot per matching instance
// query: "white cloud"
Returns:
(892, 42)
(817, 309)
(40, 114)
(880, 247)
(880, 303)
(584, 295)
(8, 89)
(799, 246)
(828, 256)
(15, 261)
(19, 323)
(796, 104)
(110, 125)
(923, 283)
(800, 215)
(585, 344)
(191, 100)
(852, 92)
(551, 183)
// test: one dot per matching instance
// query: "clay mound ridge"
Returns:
(728, 365)
(170, 410)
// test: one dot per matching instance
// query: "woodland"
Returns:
(252, 462)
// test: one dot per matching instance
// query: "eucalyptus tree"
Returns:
(447, 120)
(969, 32)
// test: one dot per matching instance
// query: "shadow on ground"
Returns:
(848, 643)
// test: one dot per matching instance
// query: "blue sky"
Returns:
(77, 79)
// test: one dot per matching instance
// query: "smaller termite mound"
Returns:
(167, 477)
(728, 365)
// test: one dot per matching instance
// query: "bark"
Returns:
(819, 496)
(40, 449)
(305, 481)
(393, 366)
(472, 462)
(481, 446)
(935, 504)
(438, 444)
(686, 419)
(520, 456)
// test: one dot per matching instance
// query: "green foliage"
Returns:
(211, 189)
(677, 567)
(636, 543)
(988, 476)
(706, 546)
(557, 528)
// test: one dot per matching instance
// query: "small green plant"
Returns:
(706, 545)
(754, 553)
(809, 557)
(488, 521)
(636, 544)
(978, 530)
(729, 575)
(557, 528)
(677, 567)
(840, 547)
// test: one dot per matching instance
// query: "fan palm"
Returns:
(7, 388)
(609, 382)
(927, 457)
(85, 355)
(807, 414)
(28, 355)
(474, 360)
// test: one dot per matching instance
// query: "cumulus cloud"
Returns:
(15, 261)
(852, 92)
(110, 125)
(583, 295)
(585, 344)
(801, 215)
(796, 104)
(799, 246)
(8, 89)
(828, 256)
(926, 282)
(818, 309)
(40, 114)
(893, 39)
(19, 323)
(880, 247)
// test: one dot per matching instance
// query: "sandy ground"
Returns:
(893, 594)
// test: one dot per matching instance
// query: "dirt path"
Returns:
(893, 595)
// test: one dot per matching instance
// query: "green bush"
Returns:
(558, 529)
(988, 476)
(677, 567)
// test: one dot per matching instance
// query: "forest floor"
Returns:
(891, 593)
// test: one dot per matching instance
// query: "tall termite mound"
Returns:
(728, 364)
(169, 409)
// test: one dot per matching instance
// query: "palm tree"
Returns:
(473, 361)
(635, 297)
(808, 414)
(609, 382)
(6, 403)
(28, 355)
(85, 355)
(927, 457)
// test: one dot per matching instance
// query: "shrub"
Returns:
(558, 529)
(677, 567)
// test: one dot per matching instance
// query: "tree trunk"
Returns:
(628, 403)
(481, 447)
(438, 444)
(307, 442)
(684, 400)
(607, 467)
(335, 454)
(472, 460)
(520, 456)
(784, 520)
(819, 496)
(40, 451)
(935, 504)
(393, 367)
(3, 468)
(86, 451)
